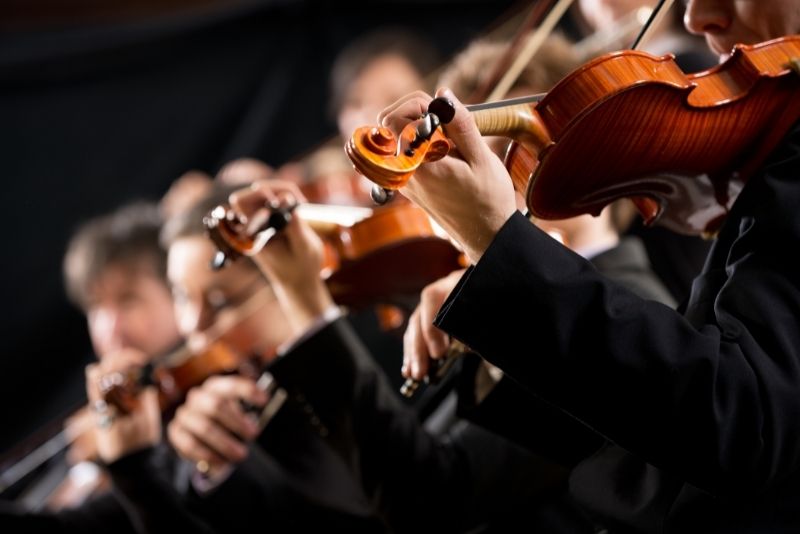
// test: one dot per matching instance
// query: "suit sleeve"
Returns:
(101, 514)
(422, 482)
(152, 503)
(382, 441)
(141, 501)
(717, 403)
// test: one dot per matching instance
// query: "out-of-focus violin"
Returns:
(120, 389)
(382, 255)
(230, 349)
(173, 375)
(627, 124)
(385, 255)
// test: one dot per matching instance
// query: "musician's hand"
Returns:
(470, 196)
(422, 340)
(212, 426)
(116, 434)
(292, 260)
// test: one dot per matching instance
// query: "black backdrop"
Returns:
(92, 117)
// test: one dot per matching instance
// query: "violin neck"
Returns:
(520, 122)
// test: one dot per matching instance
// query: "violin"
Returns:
(229, 350)
(382, 255)
(173, 375)
(121, 389)
(626, 124)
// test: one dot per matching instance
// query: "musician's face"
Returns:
(208, 303)
(725, 23)
(130, 307)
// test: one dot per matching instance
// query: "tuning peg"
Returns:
(381, 195)
(443, 108)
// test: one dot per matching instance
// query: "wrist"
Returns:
(481, 237)
(303, 307)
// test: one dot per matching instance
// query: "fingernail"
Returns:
(415, 369)
(447, 93)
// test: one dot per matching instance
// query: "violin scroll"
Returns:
(389, 161)
(232, 237)
(121, 388)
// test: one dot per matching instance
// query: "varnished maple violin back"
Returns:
(655, 130)
(629, 124)
(385, 257)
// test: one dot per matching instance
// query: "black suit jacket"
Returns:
(292, 481)
(711, 397)
(467, 480)
(101, 513)
(541, 426)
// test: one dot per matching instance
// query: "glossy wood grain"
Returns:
(628, 124)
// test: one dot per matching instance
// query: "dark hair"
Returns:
(127, 237)
(355, 57)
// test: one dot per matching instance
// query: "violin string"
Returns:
(507, 102)
(532, 20)
(612, 36)
(533, 44)
(652, 23)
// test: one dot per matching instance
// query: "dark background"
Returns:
(105, 102)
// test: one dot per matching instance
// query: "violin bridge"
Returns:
(794, 64)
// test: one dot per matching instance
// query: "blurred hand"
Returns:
(422, 340)
(292, 260)
(470, 195)
(118, 435)
(212, 426)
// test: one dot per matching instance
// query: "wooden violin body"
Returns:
(172, 379)
(388, 257)
(629, 124)
(383, 258)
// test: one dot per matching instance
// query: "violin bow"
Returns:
(534, 19)
(653, 22)
(532, 45)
